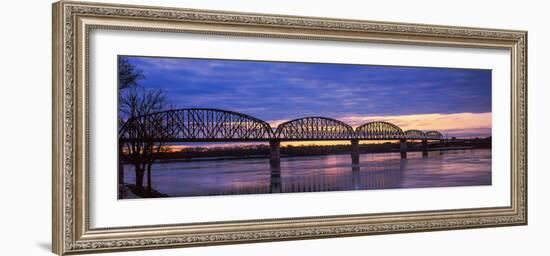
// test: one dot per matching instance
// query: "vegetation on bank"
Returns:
(263, 150)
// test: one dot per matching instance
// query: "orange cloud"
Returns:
(315, 143)
(439, 122)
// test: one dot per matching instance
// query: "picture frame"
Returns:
(73, 23)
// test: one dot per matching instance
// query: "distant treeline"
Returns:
(263, 150)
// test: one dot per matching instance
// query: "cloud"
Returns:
(285, 91)
(456, 124)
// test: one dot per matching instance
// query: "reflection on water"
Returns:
(321, 173)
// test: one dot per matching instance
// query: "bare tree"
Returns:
(128, 77)
(128, 74)
(136, 105)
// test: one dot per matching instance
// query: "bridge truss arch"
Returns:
(196, 125)
(414, 134)
(314, 128)
(378, 130)
(434, 135)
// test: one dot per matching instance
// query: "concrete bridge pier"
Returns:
(445, 143)
(355, 151)
(424, 148)
(275, 153)
(403, 148)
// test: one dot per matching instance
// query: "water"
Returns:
(321, 173)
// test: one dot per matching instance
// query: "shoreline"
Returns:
(198, 153)
(231, 158)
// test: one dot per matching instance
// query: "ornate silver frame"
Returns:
(72, 22)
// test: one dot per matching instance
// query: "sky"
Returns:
(455, 101)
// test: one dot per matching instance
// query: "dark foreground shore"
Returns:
(132, 191)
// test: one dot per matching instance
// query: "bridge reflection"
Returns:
(375, 175)
(378, 175)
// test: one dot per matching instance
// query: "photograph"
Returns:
(219, 127)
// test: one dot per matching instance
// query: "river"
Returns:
(469, 167)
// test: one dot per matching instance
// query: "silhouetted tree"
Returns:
(128, 74)
(136, 104)
(136, 101)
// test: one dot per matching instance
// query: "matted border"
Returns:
(72, 22)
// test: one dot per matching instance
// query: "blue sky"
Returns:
(284, 90)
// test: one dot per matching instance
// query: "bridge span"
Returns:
(216, 125)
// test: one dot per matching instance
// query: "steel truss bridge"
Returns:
(216, 125)
(210, 125)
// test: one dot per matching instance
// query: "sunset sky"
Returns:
(456, 102)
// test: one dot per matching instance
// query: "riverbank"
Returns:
(263, 151)
(228, 158)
